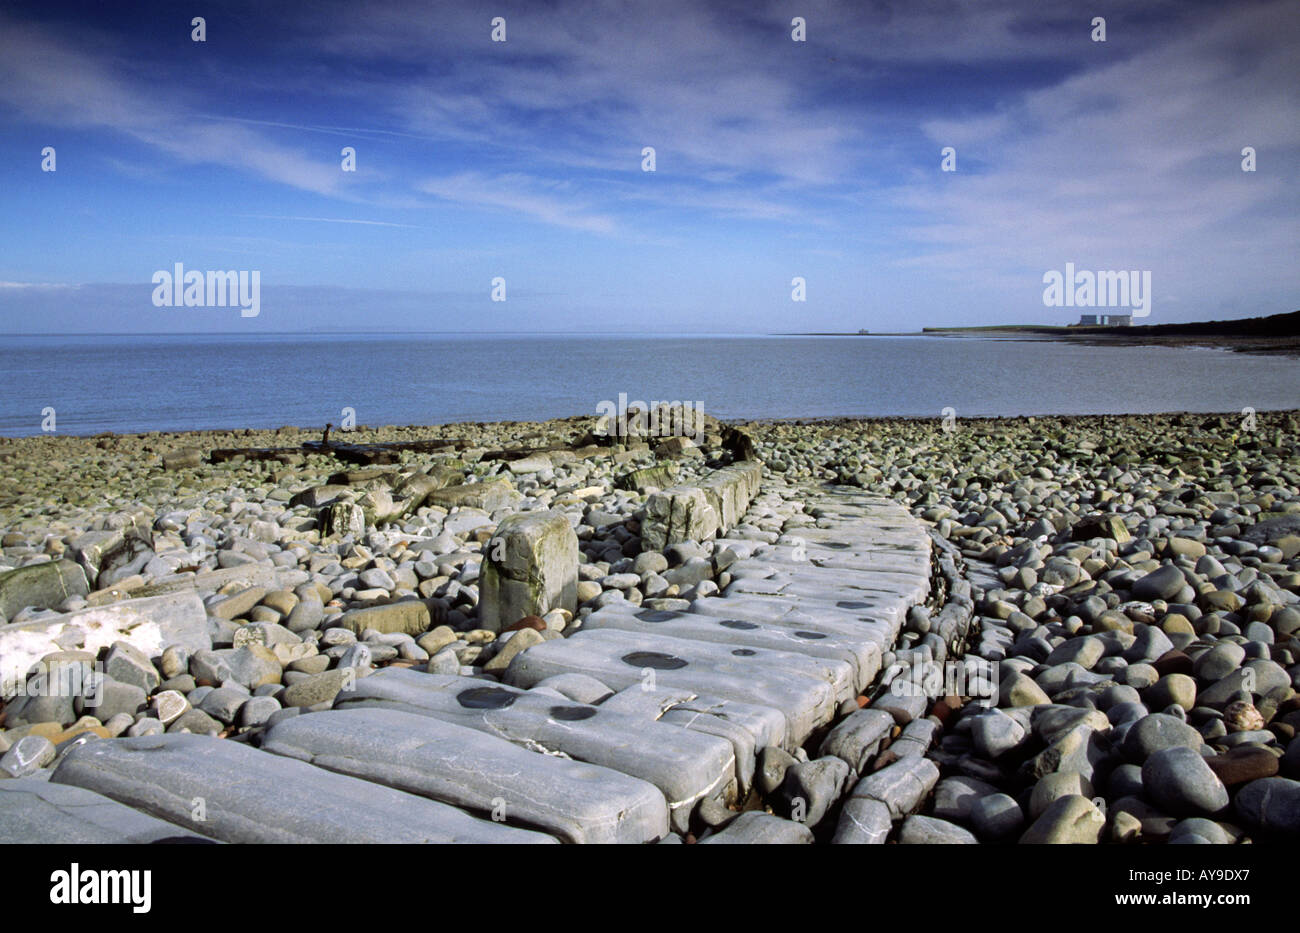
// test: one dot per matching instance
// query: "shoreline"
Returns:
(387, 432)
(1275, 334)
(1272, 335)
(1102, 337)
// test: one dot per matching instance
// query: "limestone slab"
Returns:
(687, 766)
(422, 755)
(807, 690)
(246, 795)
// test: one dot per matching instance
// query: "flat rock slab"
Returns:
(901, 555)
(686, 765)
(879, 619)
(749, 728)
(34, 810)
(817, 582)
(209, 581)
(422, 755)
(698, 694)
(765, 724)
(807, 690)
(862, 653)
(150, 624)
(246, 795)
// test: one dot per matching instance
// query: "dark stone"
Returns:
(1173, 662)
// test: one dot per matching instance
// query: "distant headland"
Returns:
(1273, 334)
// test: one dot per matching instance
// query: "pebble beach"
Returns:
(1126, 587)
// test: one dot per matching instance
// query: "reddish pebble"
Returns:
(1243, 764)
(534, 622)
(943, 709)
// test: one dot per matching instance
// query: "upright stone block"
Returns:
(730, 489)
(342, 518)
(530, 567)
(680, 513)
(699, 511)
(100, 552)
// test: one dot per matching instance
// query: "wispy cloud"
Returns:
(49, 80)
(547, 201)
(1131, 163)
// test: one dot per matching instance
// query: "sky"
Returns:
(522, 161)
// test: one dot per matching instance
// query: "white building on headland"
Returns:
(1105, 320)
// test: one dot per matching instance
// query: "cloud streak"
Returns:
(50, 81)
(539, 199)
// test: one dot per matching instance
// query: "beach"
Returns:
(1127, 588)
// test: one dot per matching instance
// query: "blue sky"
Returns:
(522, 159)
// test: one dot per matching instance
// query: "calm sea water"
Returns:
(170, 383)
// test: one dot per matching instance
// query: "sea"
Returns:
(126, 384)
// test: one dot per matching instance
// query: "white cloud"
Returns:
(547, 201)
(51, 81)
(1135, 164)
